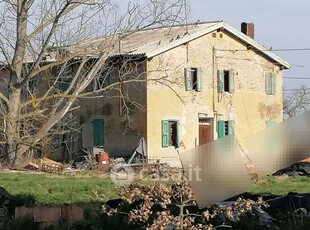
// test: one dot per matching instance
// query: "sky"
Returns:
(280, 24)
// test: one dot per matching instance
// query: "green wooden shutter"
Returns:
(231, 81)
(273, 83)
(270, 123)
(90, 86)
(178, 135)
(199, 84)
(64, 85)
(220, 81)
(268, 83)
(98, 132)
(231, 127)
(188, 79)
(165, 133)
(221, 129)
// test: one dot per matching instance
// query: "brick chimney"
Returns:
(248, 29)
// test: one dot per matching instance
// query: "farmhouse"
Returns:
(202, 81)
(177, 87)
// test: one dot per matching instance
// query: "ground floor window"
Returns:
(225, 128)
(170, 133)
(270, 123)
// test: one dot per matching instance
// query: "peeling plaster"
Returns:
(269, 111)
(230, 109)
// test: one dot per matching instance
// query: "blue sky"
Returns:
(280, 24)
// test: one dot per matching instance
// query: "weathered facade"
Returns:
(178, 87)
(217, 81)
(115, 120)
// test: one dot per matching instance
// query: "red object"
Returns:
(102, 158)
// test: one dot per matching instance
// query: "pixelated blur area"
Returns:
(281, 145)
(216, 170)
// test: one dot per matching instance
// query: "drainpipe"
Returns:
(215, 115)
(213, 79)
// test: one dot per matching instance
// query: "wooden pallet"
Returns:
(51, 166)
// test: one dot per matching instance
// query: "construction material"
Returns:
(51, 166)
(32, 166)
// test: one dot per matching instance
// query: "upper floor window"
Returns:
(192, 79)
(270, 83)
(63, 76)
(101, 81)
(225, 81)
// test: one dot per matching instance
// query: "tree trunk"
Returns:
(12, 126)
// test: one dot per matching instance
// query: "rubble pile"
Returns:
(4, 201)
(301, 168)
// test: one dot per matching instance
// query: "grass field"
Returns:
(49, 189)
(282, 185)
(90, 191)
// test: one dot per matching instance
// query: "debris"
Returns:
(102, 158)
(51, 166)
(297, 169)
(292, 202)
(119, 166)
(4, 193)
(139, 154)
(306, 160)
(4, 201)
(119, 160)
(32, 166)
(88, 162)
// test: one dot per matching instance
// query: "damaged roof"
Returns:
(152, 42)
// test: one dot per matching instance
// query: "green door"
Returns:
(221, 129)
(98, 132)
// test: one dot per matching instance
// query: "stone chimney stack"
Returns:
(248, 29)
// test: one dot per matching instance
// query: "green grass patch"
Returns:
(282, 185)
(48, 189)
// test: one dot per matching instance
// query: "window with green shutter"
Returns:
(231, 83)
(225, 81)
(221, 129)
(270, 83)
(62, 77)
(231, 127)
(220, 81)
(270, 123)
(98, 132)
(192, 79)
(165, 133)
(64, 84)
(226, 128)
(170, 133)
(102, 80)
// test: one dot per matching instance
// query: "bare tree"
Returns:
(297, 102)
(45, 38)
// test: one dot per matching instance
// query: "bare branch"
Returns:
(297, 102)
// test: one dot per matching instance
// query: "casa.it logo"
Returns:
(122, 175)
